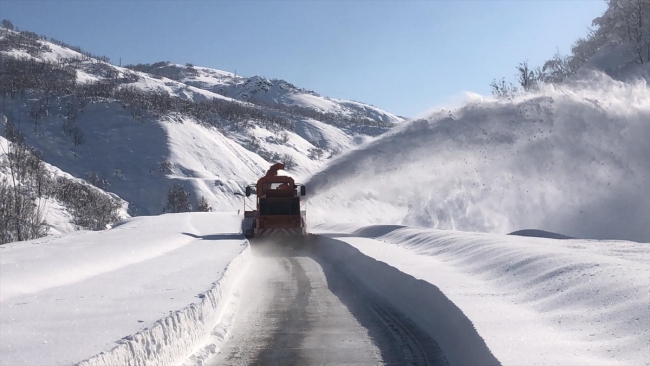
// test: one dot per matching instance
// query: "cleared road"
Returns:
(298, 310)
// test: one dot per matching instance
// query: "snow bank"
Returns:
(530, 300)
(148, 291)
(172, 338)
(568, 160)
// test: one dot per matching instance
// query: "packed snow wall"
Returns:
(571, 159)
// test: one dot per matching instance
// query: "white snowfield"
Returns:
(144, 290)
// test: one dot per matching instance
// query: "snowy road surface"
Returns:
(297, 310)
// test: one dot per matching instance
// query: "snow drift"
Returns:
(531, 301)
(572, 160)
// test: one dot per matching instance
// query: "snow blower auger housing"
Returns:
(278, 211)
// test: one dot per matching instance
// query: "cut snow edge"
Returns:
(173, 338)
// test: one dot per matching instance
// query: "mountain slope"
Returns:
(142, 132)
(269, 92)
(64, 203)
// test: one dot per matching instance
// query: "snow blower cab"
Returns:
(278, 211)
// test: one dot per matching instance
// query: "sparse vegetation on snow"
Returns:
(27, 183)
(623, 29)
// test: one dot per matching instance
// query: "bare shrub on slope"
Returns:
(25, 41)
(21, 75)
(92, 208)
(624, 26)
(21, 213)
(24, 184)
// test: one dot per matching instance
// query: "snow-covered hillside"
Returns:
(270, 92)
(208, 162)
(572, 160)
(59, 216)
(140, 153)
(619, 61)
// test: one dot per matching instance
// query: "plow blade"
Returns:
(298, 231)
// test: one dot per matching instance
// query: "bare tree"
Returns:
(21, 212)
(38, 111)
(70, 117)
(502, 89)
(557, 69)
(288, 161)
(316, 153)
(6, 24)
(629, 21)
(97, 180)
(283, 138)
(165, 166)
(77, 136)
(528, 79)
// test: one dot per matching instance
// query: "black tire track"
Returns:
(399, 339)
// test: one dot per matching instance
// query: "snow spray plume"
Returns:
(572, 160)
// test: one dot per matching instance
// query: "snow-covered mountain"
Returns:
(273, 93)
(202, 128)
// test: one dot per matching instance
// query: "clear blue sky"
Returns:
(403, 56)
